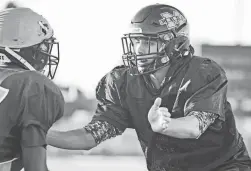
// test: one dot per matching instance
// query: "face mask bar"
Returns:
(53, 60)
(130, 58)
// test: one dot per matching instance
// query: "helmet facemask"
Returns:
(53, 56)
(43, 57)
(161, 56)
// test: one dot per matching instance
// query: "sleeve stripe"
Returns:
(102, 130)
(3, 93)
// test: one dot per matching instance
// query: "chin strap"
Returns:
(20, 59)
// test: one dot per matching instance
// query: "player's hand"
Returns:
(158, 117)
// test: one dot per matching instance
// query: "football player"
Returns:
(175, 101)
(29, 101)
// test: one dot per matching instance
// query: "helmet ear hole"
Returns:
(165, 59)
(44, 31)
(34, 55)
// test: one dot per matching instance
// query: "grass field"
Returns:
(97, 163)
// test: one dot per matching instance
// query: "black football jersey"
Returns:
(26, 98)
(191, 84)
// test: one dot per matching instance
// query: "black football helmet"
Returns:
(163, 24)
(26, 39)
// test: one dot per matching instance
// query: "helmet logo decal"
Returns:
(44, 27)
(172, 20)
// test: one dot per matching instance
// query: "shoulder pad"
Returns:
(208, 68)
(119, 67)
(116, 77)
(118, 72)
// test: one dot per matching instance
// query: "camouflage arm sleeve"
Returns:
(205, 119)
(102, 130)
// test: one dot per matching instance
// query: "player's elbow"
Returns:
(191, 133)
(194, 130)
(90, 142)
(195, 133)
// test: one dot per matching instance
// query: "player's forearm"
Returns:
(185, 127)
(77, 139)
